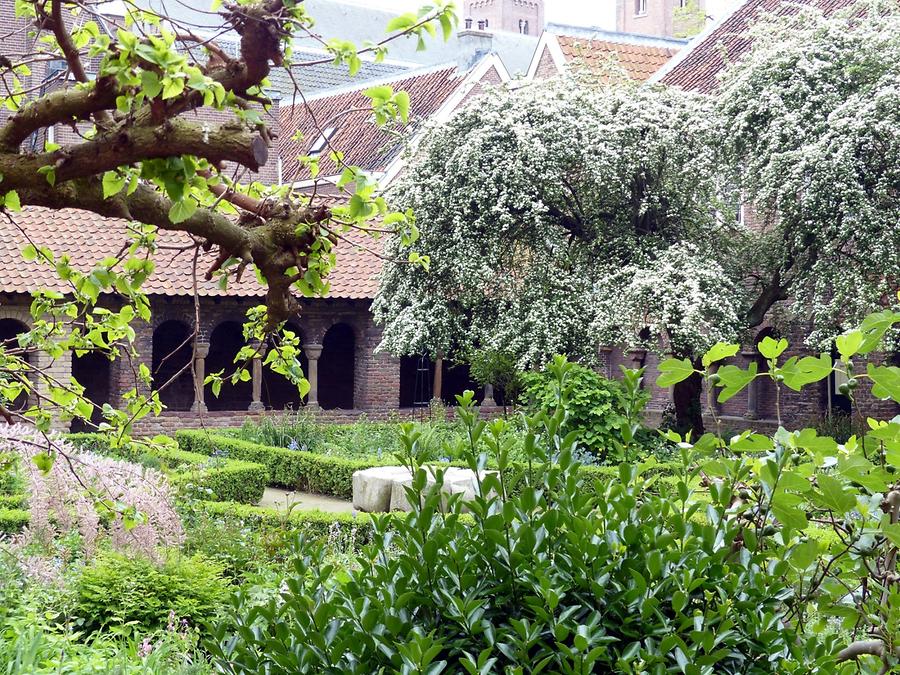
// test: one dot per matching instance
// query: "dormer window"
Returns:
(640, 7)
(321, 142)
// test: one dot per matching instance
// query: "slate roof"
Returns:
(639, 60)
(356, 135)
(88, 238)
(698, 67)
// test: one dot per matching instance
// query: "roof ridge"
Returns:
(366, 84)
(594, 33)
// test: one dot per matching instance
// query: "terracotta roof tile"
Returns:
(356, 135)
(88, 239)
(638, 60)
(700, 67)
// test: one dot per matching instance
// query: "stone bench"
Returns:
(383, 488)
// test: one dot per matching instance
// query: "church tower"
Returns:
(510, 16)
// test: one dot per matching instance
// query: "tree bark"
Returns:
(686, 397)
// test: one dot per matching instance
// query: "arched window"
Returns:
(279, 393)
(91, 371)
(171, 367)
(224, 344)
(337, 366)
(10, 329)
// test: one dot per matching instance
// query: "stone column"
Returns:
(489, 396)
(257, 370)
(753, 388)
(201, 351)
(313, 353)
(438, 377)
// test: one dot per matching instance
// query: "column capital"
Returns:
(749, 353)
(312, 350)
(201, 349)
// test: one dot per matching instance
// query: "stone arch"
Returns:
(10, 329)
(416, 381)
(278, 393)
(171, 364)
(225, 341)
(92, 371)
(337, 367)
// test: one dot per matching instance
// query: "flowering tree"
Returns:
(811, 119)
(556, 219)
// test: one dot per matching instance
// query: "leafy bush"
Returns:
(597, 409)
(556, 579)
(297, 430)
(116, 590)
(499, 369)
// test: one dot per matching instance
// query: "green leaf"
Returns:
(673, 371)
(799, 373)
(182, 210)
(382, 92)
(43, 461)
(11, 201)
(849, 343)
(30, 253)
(885, 381)
(790, 516)
(719, 351)
(733, 379)
(402, 100)
(832, 496)
(771, 348)
(112, 184)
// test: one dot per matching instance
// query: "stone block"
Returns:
(372, 488)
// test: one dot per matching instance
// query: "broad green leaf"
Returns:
(733, 379)
(799, 373)
(672, 371)
(790, 516)
(885, 381)
(182, 210)
(11, 201)
(831, 494)
(112, 184)
(849, 343)
(719, 351)
(771, 348)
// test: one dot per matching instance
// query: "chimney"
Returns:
(472, 46)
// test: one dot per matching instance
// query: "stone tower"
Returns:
(510, 16)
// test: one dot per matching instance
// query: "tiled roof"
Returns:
(639, 60)
(699, 67)
(356, 135)
(88, 239)
(313, 79)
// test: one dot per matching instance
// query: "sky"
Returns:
(598, 13)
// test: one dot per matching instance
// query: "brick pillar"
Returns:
(201, 351)
(605, 354)
(313, 353)
(257, 370)
(753, 388)
(637, 357)
(59, 371)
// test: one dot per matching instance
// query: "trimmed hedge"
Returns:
(329, 475)
(289, 469)
(12, 520)
(228, 480)
(13, 501)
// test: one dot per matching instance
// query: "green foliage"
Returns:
(554, 579)
(596, 408)
(117, 591)
(497, 367)
(214, 477)
(12, 519)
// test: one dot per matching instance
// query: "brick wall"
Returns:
(546, 67)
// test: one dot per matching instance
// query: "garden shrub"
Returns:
(596, 408)
(12, 520)
(555, 579)
(115, 590)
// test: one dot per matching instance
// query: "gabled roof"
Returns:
(698, 67)
(639, 55)
(433, 93)
(88, 238)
